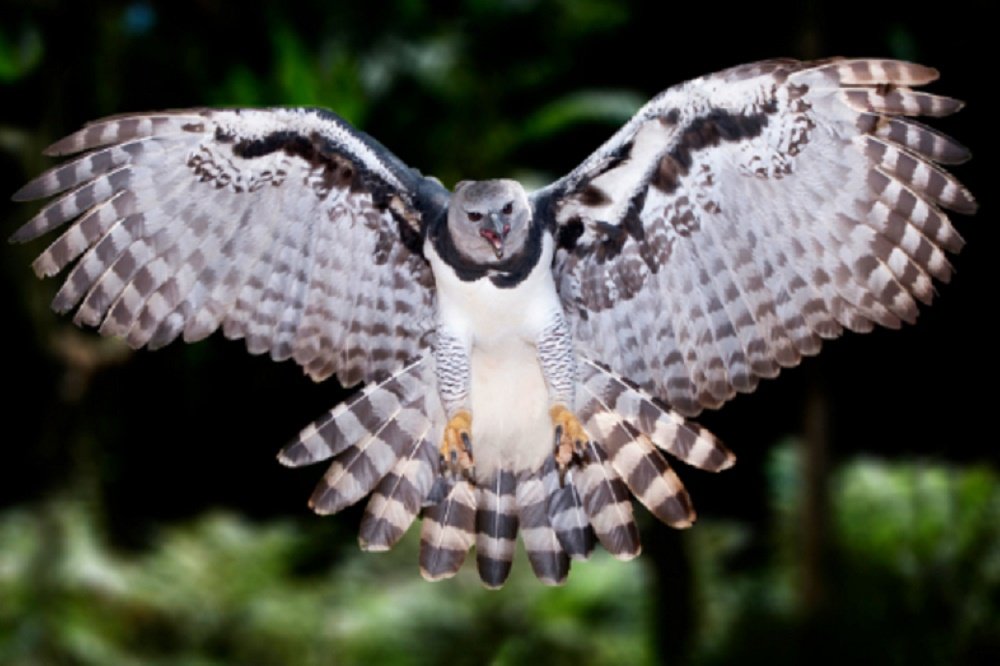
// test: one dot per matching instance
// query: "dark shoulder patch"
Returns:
(667, 174)
(594, 196)
(569, 233)
(716, 127)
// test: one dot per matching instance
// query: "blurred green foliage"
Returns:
(20, 53)
(917, 540)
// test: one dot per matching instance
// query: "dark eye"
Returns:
(475, 217)
(508, 209)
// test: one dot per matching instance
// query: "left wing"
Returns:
(286, 227)
(740, 218)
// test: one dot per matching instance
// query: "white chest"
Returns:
(487, 315)
(508, 394)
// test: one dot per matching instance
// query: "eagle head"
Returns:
(489, 219)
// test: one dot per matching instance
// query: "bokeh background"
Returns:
(144, 520)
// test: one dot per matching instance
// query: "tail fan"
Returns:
(384, 442)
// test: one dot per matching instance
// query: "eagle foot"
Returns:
(570, 438)
(456, 447)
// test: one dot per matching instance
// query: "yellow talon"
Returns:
(570, 435)
(456, 445)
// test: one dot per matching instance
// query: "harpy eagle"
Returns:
(528, 358)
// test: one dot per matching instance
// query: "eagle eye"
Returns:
(509, 208)
(475, 217)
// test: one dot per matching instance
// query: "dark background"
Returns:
(138, 489)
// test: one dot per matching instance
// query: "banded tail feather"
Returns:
(669, 431)
(874, 71)
(565, 509)
(449, 528)
(349, 422)
(607, 504)
(127, 127)
(922, 140)
(548, 558)
(399, 496)
(882, 86)
(356, 469)
(496, 527)
(644, 470)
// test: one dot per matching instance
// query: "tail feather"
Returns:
(650, 477)
(349, 423)
(545, 552)
(398, 497)
(357, 469)
(448, 529)
(385, 440)
(606, 501)
(664, 427)
(496, 527)
(566, 513)
(643, 468)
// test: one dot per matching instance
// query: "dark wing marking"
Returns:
(740, 218)
(286, 227)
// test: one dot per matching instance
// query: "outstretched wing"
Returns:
(286, 227)
(740, 218)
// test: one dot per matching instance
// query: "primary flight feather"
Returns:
(527, 357)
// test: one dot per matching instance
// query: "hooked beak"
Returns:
(495, 232)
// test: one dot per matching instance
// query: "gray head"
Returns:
(489, 219)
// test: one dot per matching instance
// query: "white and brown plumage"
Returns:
(528, 358)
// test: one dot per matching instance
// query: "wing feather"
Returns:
(740, 218)
(285, 227)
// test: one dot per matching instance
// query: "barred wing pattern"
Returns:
(740, 218)
(285, 227)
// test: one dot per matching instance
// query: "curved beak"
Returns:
(495, 232)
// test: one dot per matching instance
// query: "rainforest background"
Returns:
(144, 519)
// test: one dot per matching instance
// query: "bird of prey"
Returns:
(527, 358)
